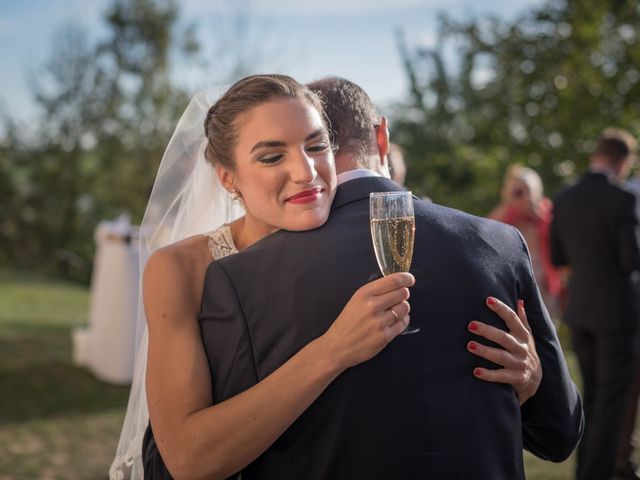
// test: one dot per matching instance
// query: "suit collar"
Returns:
(594, 175)
(360, 188)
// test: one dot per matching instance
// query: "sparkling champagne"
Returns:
(393, 243)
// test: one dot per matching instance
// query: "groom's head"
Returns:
(359, 133)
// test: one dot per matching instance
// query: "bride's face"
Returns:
(284, 166)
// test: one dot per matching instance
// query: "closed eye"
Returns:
(272, 158)
(318, 147)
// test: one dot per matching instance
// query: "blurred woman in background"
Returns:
(523, 205)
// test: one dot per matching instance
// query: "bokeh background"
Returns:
(90, 92)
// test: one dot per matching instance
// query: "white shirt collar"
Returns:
(605, 170)
(357, 173)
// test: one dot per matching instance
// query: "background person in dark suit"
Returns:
(593, 233)
(415, 410)
(626, 467)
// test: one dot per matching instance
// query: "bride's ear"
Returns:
(226, 177)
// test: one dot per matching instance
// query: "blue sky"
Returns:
(351, 38)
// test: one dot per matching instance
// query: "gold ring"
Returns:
(394, 313)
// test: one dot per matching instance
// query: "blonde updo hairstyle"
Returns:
(220, 125)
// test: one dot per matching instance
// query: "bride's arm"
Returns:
(198, 440)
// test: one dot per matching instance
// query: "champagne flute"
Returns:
(392, 231)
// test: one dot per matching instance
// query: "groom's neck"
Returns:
(346, 162)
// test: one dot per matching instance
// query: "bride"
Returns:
(273, 168)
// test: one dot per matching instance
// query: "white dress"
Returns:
(221, 242)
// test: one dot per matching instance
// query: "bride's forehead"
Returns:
(282, 116)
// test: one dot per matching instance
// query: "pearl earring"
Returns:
(235, 195)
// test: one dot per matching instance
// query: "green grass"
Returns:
(537, 469)
(56, 420)
(29, 302)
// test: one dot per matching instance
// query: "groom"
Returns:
(415, 410)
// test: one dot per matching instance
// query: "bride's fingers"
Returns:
(503, 358)
(501, 375)
(388, 300)
(518, 357)
(396, 328)
(514, 323)
(397, 312)
(389, 283)
(496, 335)
(522, 314)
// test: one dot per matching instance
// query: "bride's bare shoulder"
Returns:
(183, 256)
(176, 272)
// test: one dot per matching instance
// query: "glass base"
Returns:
(410, 329)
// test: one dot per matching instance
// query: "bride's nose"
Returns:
(303, 168)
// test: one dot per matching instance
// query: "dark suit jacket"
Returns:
(593, 232)
(414, 411)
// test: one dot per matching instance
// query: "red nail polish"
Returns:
(477, 372)
(473, 326)
(472, 346)
(491, 301)
(520, 303)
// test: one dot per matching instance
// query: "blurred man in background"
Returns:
(593, 233)
(625, 468)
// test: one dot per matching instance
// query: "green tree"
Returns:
(144, 104)
(48, 171)
(107, 110)
(536, 90)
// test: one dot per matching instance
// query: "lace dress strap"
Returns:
(221, 242)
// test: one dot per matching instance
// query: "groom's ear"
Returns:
(226, 177)
(382, 138)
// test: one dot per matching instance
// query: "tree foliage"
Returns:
(107, 110)
(536, 90)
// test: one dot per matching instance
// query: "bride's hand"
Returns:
(374, 316)
(518, 355)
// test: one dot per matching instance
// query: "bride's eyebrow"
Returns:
(314, 134)
(278, 143)
(267, 143)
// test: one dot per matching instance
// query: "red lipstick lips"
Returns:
(306, 196)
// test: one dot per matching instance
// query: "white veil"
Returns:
(187, 199)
